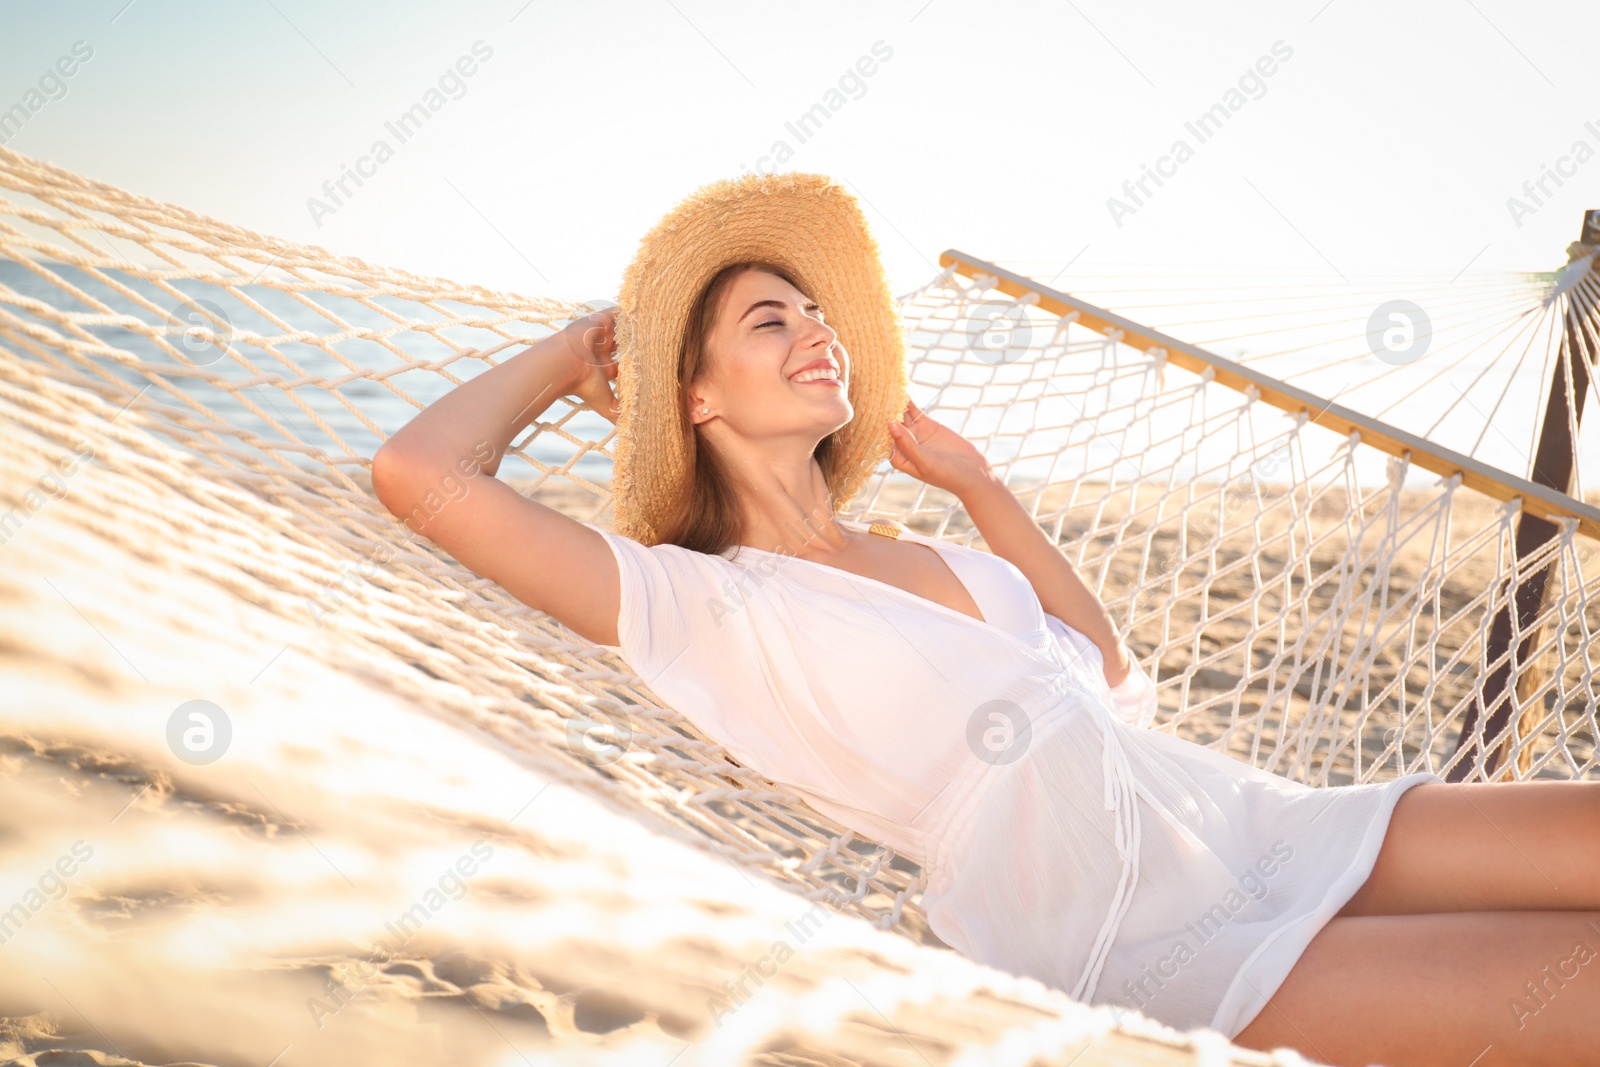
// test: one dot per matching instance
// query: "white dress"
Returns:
(1060, 838)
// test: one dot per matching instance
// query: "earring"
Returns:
(705, 411)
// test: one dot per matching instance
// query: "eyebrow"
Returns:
(773, 304)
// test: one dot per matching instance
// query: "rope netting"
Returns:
(1461, 360)
(1308, 602)
(1305, 601)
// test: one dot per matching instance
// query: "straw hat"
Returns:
(806, 223)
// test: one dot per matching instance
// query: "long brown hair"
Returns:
(706, 518)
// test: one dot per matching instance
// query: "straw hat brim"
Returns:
(813, 227)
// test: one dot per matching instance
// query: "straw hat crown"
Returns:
(806, 223)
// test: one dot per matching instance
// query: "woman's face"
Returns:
(759, 379)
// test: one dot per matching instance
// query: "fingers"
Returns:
(898, 460)
(611, 412)
(913, 414)
(598, 340)
(595, 342)
(902, 435)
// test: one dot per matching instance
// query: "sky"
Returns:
(1355, 135)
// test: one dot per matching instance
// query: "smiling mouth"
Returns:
(817, 376)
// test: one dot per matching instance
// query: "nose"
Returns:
(819, 331)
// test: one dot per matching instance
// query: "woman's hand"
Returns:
(591, 342)
(936, 454)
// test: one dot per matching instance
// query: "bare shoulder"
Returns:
(545, 559)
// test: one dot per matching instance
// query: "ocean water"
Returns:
(282, 387)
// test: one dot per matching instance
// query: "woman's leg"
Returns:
(1458, 989)
(1487, 846)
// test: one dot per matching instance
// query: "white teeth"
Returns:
(813, 375)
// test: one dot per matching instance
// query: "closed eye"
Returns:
(779, 322)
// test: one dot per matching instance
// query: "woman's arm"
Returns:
(927, 449)
(487, 412)
(1010, 532)
(436, 473)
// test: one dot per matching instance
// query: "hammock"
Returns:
(1246, 534)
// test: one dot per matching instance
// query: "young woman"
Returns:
(977, 711)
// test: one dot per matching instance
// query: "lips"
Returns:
(822, 363)
(819, 362)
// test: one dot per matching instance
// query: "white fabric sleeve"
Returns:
(671, 600)
(682, 627)
(1133, 699)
